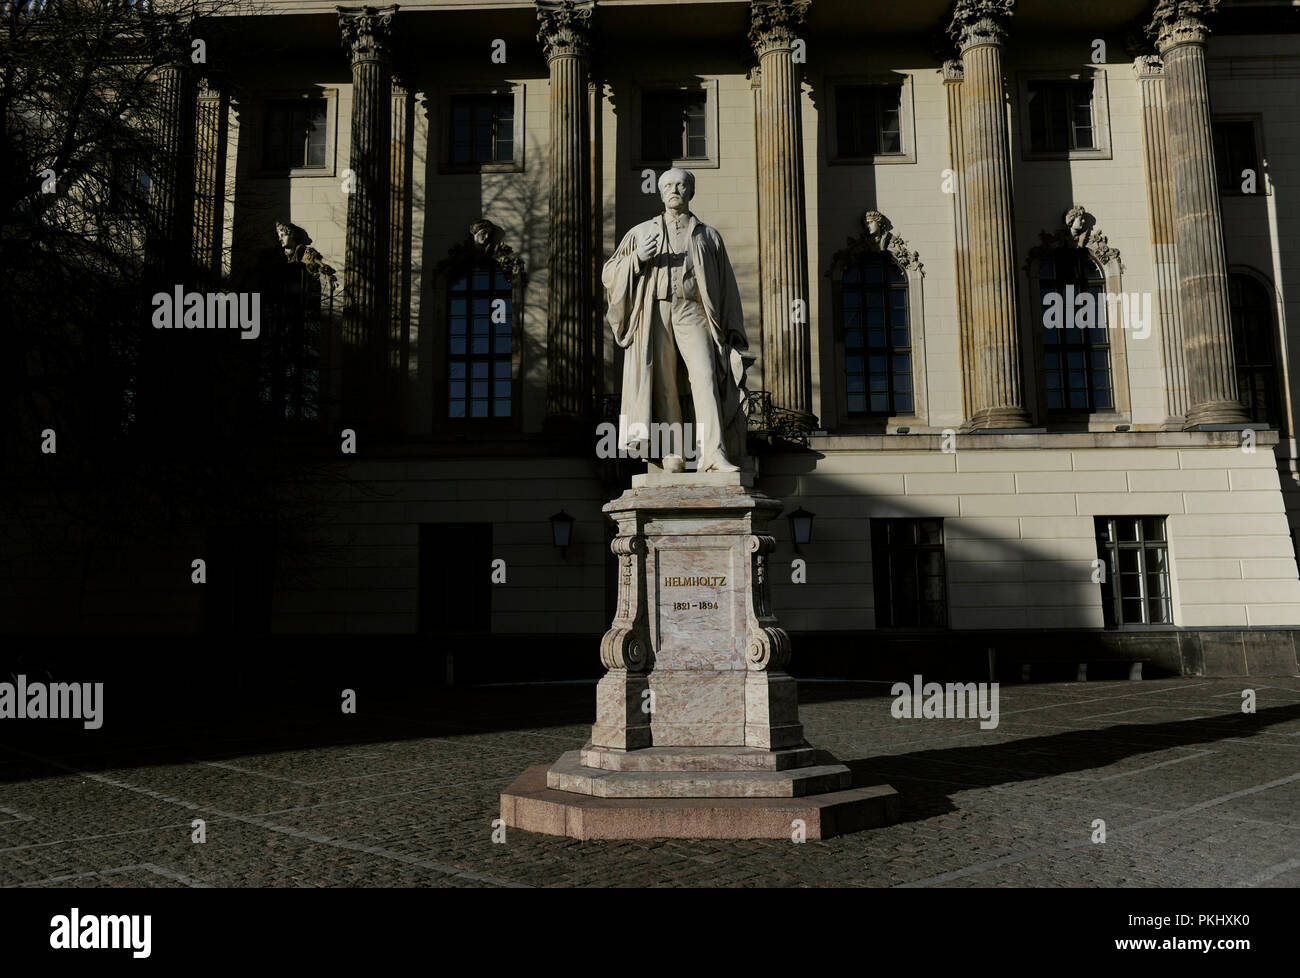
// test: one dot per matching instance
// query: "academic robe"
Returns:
(630, 301)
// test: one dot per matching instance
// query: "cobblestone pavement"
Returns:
(1193, 792)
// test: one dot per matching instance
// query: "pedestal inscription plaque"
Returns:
(695, 609)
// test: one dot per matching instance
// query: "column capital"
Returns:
(775, 24)
(980, 22)
(1177, 22)
(952, 72)
(367, 32)
(564, 28)
(1148, 66)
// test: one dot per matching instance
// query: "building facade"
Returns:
(1019, 278)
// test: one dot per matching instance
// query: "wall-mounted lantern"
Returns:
(801, 522)
(562, 531)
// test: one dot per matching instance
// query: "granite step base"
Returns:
(529, 805)
(570, 774)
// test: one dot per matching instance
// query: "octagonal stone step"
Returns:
(570, 774)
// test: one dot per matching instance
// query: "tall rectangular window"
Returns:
(877, 338)
(293, 135)
(910, 578)
(482, 129)
(673, 126)
(1076, 358)
(1135, 557)
(867, 121)
(479, 318)
(1235, 151)
(1060, 116)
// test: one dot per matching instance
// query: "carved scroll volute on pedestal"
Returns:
(626, 645)
(767, 646)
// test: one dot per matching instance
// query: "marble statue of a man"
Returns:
(670, 291)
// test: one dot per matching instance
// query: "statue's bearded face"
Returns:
(675, 189)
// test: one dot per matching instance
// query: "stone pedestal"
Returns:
(695, 704)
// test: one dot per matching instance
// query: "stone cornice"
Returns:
(980, 22)
(564, 28)
(1176, 22)
(775, 24)
(367, 32)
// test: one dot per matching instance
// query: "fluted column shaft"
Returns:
(952, 82)
(999, 402)
(1202, 264)
(782, 232)
(399, 259)
(210, 135)
(171, 193)
(564, 33)
(367, 37)
(1160, 207)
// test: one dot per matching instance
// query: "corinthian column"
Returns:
(564, 31)
(367, 37)
(782, 226)
(210, 141)
(171, 193)
(979, 29)
(1180, 32)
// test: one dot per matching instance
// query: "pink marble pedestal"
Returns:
(695, 703)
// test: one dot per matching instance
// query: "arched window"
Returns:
(877, 337)
(1076, 354)
(1252, 340)
(480, 319)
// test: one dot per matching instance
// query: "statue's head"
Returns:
(876, 223)
(482, 232)
(1077, 220)
(290, 234)
(676, 187)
